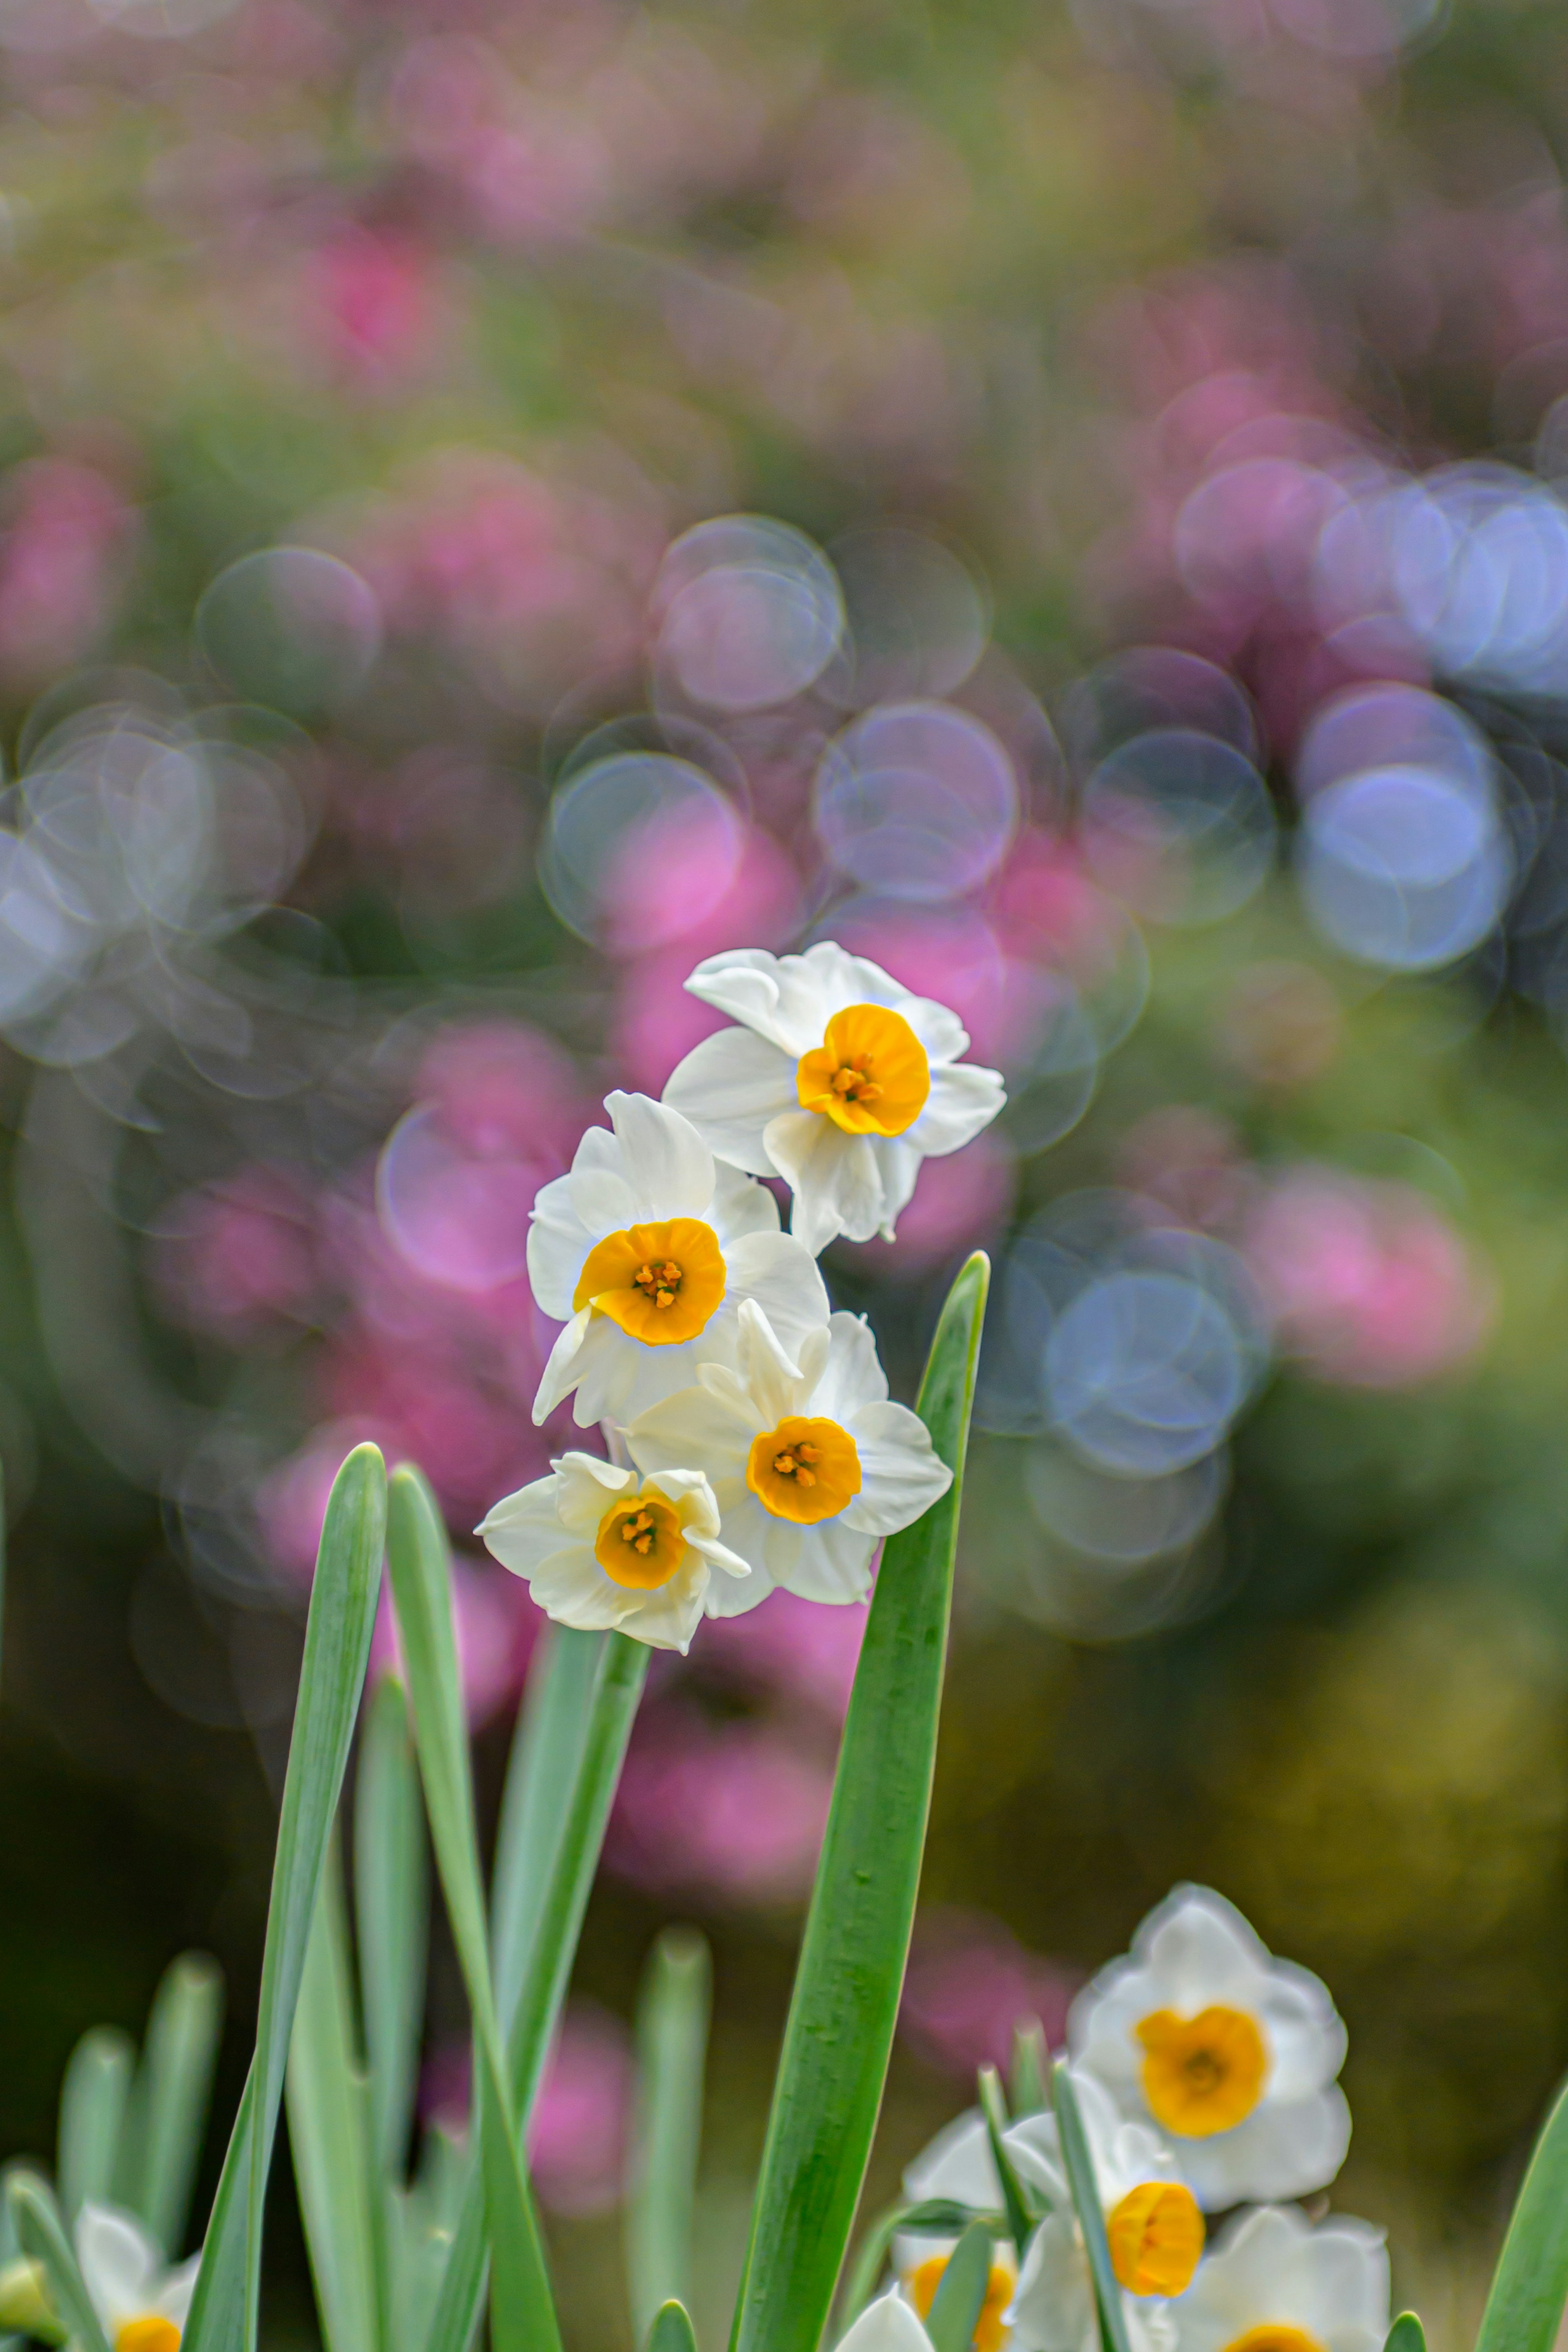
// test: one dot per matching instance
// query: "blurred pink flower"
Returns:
(66, 535)
(578, 2132)
(797, 1648)
(233, 1256)
(497, 1626)
(532, 171)
(371, 303)
(968, 1984)
(1370, 1283)
(733, 1810)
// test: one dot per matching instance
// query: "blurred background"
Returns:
(497, 502)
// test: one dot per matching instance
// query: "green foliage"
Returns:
(162, 2139)
(93, 2101)
(1530, 2285)
(1080, 2167)
(672, 2048)
(1026, 2080)
(960, 2293)
(392, 1903)
(1015, 2205)
(840, 2027)
(671, 2330)
(1406, 2334)
(329, 2133)
(41, 2233)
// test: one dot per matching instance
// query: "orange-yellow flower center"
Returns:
(1156, 2235)
(804, 1470)
(1274, 2335)
(1205, 2073)
(660, 1283)
(640, 1544)
(152, 2334)
(869, 1076)
(990, 2334)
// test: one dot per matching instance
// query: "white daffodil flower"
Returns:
(1231, 2052)
(141, 2303)
(645, 1252)
(888, 2325)
(838, 1080)
(957, 2165)
(602, 1548)
(1152, 2226)
(812, 1466)
(1275, 2283)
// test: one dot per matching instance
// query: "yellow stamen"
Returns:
(869, 1076)
(1156, 2235)
(640, 1543)
(1202, 2075)
(990, 2335)
(661, 1284)
(151, 2333)
(804, 1470)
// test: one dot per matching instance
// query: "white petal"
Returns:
(1053, 2308)
(719, 1556)
(558, 1242)
(1305, 2033)
(693, 1498)
(666, 1164)
(697, 1430)
(852, 1375)
(964, 1099)
(746, 1528)
(835, 1178)
(1034, 2143)
(119, 2263)
(780, 1275)
(773, 1379)
(740, 1205)
(829, 1562)
(563, 1368)
(901, 1474)
(780, 997)
(173, 2300)
(888, 2325)
(1286, 2147)
(524, 1528)
(1272, 2266)
(898, 1164)
(599, 1190)
(586, 1486)
(957, 2163)
(728, 1086)
(1198, 1949)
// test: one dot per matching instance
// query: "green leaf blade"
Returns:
(1406, 2334)
(223, 2315)
(173, 2095)
(94, 2097)
(1530, 2285)
(41, 2233)
(392, 1910)
(1079, 2165)
(1013, 2203)
(844, 2007)
(672, 2049)
(671, 2330)
(328, 2131)
(960, 2296)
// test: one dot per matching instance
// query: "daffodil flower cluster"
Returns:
(755, 1441)
(1205, 2072)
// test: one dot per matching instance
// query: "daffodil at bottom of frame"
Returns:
(810, 1462)
(603, 1548)
(1275, 2284)
(143, 2304)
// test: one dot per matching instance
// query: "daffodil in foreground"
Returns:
(1275, 2283)
(811, 1463)
(1230, 2053)
(645, 1252)
(603, 1548)
(837, 1079)
(1152, 2227)
(140, 2302)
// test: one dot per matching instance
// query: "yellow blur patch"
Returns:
(640, 1544)
(1156, 2234)
(1275, 2336)
(869, 1076)
(804, 1470)
(660, 1283)
(990, 2335)
(1202, 2075)
(152, 2334)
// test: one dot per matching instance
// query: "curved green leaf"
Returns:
(522, 2315)
(1406, 2334)
(329, 2120)
(845, 2001)
(93, 2100)
(1530, 2285)
(392, 1912)
(170, 2102)
(1079, 2165)
(1013, 2202)
(960, 2297)
(671, 2330)
(1031, 2062)
(672, 2049)
(344, 1596)
(41, 2233)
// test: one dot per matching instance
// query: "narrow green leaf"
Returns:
(41, 2233)
(579, 1772)
(1079, 2165)
(871, 2261)
(522, 2315)
(672, 2049)
(671, 2330)
(329, 2126)
(163, 2141)
(1529, 2285)
(1406, 2334)
(844, 2007)
(93, 2098)
(223, 2314)
(960, 2297)
(1015, 2204)
(552, 1729)
(392, 1908)
(1027, 2082)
